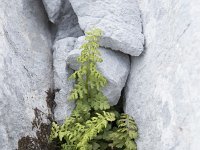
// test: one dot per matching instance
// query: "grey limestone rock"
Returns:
(53, 9)
(68, 26)
(60, 13)
(115, 67)
(164, 83)
(118, 19)
(61, 50)
(25, 68)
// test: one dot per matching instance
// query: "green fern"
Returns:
(93, 128)
(125, 134)
(93, 124)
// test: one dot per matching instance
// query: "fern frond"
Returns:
(68, 147)
(82, 111)
(95, 126)
(125, 134)
(99, 102)
(54, 131)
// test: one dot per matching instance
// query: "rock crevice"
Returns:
(118, 23)
(30, 64)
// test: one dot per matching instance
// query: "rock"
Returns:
(25, 68)
(118, 19)
(115, 67)
(68, 26)
(61, 73)
(53, 9)
(60, 12)
(163, 87)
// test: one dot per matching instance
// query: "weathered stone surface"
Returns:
(118, 19)
(164, 83)
(53, 9)
(61, 73)
(68, 26)
(115, 67)
(61, 13)
(25, 68)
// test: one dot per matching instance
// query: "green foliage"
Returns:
(125, 133)
(93, 124)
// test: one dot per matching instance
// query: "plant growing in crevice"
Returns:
(93, 124)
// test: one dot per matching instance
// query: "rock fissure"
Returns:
(33, 41)
(162, 90)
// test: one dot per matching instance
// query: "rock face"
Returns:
(162, 92)
(25, 68)
(61, 13)
(163, 88)
(68, 26)
(61, 73)
(118, 19)
(53, 9)
(115, 67)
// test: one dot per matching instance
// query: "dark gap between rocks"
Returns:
(67, 24)
(120, 105)
(122, 101)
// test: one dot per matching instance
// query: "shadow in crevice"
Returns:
(120, 105)
(67, 24)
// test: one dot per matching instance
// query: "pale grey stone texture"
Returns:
(163, 87)
(61, 73)
(118, 19)
(60, 13)
(25, 68)
(115, 67)
(68, 26)
(53, 9)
